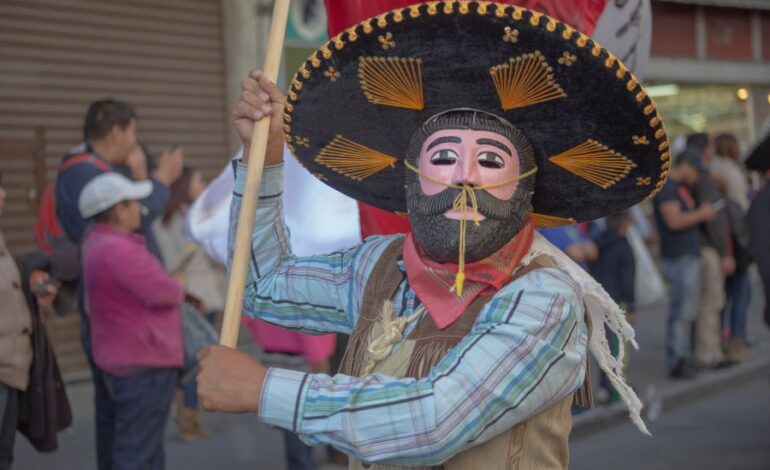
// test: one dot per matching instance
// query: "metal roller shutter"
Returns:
(165, 58)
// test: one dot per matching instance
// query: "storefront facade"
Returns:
(710, 65)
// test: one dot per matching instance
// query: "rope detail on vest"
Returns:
(392, 331)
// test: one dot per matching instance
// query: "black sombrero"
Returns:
(354, 104)
(758, 154)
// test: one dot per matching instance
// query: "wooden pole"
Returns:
(242, 252)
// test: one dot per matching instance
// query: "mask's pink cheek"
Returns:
(504, 193)
(441, 173)
(430, 188)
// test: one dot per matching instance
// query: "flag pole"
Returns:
(242, 252)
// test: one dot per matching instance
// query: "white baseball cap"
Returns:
(108, 189)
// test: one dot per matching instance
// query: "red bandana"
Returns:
(432, 281)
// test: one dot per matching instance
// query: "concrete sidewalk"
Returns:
(242, 442)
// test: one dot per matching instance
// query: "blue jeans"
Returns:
(9, 413)
(104, 411)
(198, 333)
(190, 394)
(299, 456)
(142, 403)
(684, 280)
(736, 310)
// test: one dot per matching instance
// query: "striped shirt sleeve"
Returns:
(317, 294)
(525, 353)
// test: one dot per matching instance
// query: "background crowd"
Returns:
(706, 228)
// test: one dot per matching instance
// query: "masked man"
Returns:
(469, 336)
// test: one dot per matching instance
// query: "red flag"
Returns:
(379, 222)
(580, 14)
(342, 14)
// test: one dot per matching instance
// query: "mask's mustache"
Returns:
(440, 203)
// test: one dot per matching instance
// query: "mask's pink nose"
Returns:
(466, 172)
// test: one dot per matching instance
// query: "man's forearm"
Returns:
(270, 243)
(684, 220)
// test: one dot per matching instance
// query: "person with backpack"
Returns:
(109, 144)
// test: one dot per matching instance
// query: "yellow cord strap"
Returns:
(461, 204)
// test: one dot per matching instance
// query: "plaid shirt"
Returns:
(525, 353)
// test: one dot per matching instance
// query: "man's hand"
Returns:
(170, 165)
(180, 279)
(591, 251)
(229, 380)
(323, 367)
(728, 265)
(45, 290)
(137, 163)
(259, 99)
(583, 251)
(707, 212)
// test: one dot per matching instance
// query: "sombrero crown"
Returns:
(354, 104)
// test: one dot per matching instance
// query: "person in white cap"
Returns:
(136, 328)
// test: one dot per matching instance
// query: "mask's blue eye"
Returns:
(490, 160)
(444, 157)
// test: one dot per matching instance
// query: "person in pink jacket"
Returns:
(136, 328)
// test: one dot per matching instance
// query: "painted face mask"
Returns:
(470, 185)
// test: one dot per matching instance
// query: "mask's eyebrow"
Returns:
(495, 143)
(442, 140)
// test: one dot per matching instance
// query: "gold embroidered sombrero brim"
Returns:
(354, 104)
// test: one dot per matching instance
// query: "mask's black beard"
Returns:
(439, 236)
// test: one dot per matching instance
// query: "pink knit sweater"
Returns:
(133, 304)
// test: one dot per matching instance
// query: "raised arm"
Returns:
(315, 294)
(677, 220)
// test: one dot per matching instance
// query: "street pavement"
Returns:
(730, 430)
(239, 442)
(726, 428)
